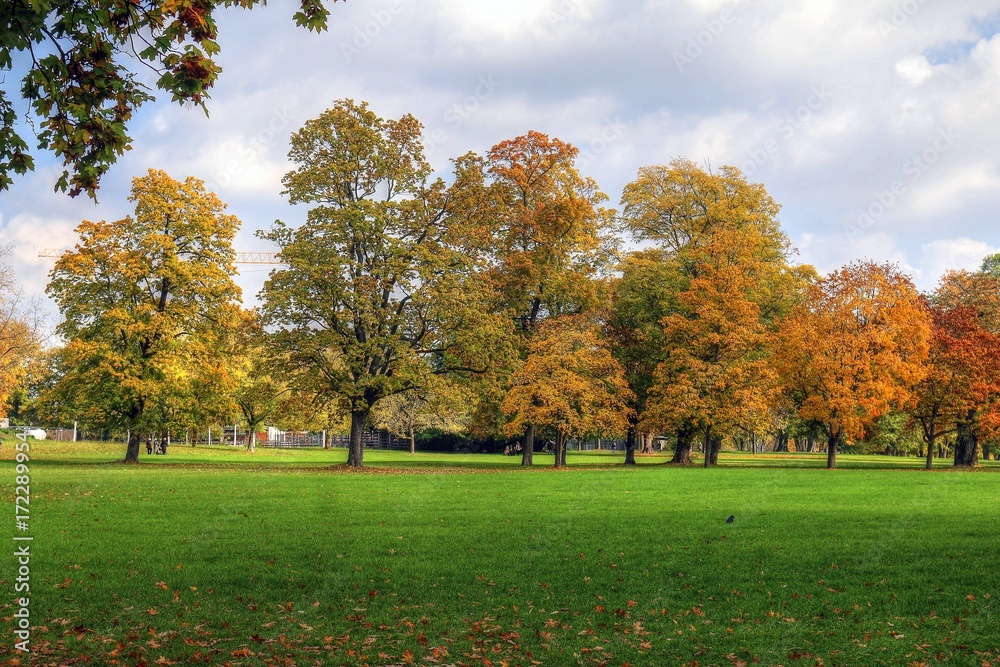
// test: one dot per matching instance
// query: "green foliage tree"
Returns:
(642, 296)
(440, 404)
(376, 294)
(258, 390)
(143, 298)
(79, 83)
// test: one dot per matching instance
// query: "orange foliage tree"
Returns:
(570, 384)
(854, 349)
(729, 265)
(716, 371)
(536, 224)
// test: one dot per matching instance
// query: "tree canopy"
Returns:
(377, 294)
(82, 85)
(570, 385)
(146, 298)
(854, 349)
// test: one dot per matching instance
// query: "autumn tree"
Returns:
(961, 391)
(570, 385)
(716, 372)
(258, 390)
(643, 294)
(20, 330)
(854, 350)
(376, 294)
(728, 260)
(440, 404)
(536, 224)
(81, 82)
(139, 294)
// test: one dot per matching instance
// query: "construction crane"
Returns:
(241, 257)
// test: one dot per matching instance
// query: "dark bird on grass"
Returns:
(730, 519)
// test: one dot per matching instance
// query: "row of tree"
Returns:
(502, 303)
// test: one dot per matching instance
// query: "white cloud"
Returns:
(914, 70)
(939, 257)
(896, 74)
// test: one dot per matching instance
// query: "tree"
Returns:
(258, 390)
(376, 294)
(80, 89)
(727, 258)
(139, 295)
(20, 331)
(854, 350)
(536, 225)
(570, 384)
(961, 391)
(716, 372)
(438, 405)
(642, 296)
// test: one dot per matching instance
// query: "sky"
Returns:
(873, 123)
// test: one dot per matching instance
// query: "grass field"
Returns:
(214, 556)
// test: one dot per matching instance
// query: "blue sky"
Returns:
(873, 123)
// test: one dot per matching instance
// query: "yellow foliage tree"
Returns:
(570, 384)
(19, 332)
(143, 295)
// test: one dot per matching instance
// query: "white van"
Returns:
(36, 433)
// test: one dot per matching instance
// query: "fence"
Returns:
(371, 439)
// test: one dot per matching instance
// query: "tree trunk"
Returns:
(413, 441)
(708, 446)
(781, 441)
(560, 458)
(132, 449)
(630, 445)
(252, 440)
(931, 437)
(967, 442)
(356, 448)
(682, 450)
(647, 443)
(831, 450)
(714, 451)
(528, 446)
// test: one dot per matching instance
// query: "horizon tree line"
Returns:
(506, 302)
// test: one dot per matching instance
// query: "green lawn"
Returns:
(208, 556)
